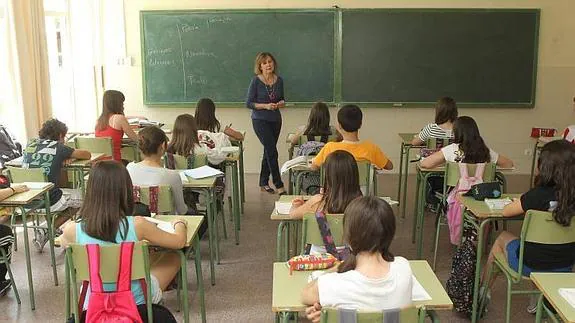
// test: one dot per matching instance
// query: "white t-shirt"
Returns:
(569, 134)
(451, 153)
(143, 175)
(355, 291)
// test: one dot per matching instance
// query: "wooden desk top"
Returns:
(549, 284)
(207, 182)
(193, 222)
(26, 197)
(285, 198)
(286, 295)
(407, 137)
(480, 208)
(441, 169)
(74, 164)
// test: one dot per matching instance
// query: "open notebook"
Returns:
(162, 225)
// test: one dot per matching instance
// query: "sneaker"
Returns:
(5, 286)
(532, 307)
(40, 239)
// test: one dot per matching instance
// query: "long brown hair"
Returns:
(341, 182)
(557, 169)
(184, 136)
(466, 134)
(112, 103)
(108, 201)
(318, 121)
(368, 226)
(445, 110)
(206, 115)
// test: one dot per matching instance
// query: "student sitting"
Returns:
(442, 128)
(467, 147)
(371, 278)
(340, 187)
(112, 123)
(7, 238)
(153, 143)
(51, 154)
(111, 222)
(554, 191)
(349, 119)
(317, 125)
(206, 120)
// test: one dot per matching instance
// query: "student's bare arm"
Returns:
(123, 122)
(310, 294)
(436, 159)
(416, 141)
(81, 154)
(504, 162)
(513, 209)
(388, 165)
(146, 230)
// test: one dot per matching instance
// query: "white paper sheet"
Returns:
(298, 161)
(202, 172)
(162, 225)
(418, 293)
(497, 204)
(389, 200)
(283, 207)
(36, 185)
(569, 295)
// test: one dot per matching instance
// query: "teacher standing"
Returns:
(265, 98)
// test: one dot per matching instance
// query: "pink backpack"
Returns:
(116, 306)
(454, 208)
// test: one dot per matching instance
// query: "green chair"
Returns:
(312, 235)
(197, 160)
(367, 177)
(4, 260)
(405, 315)
(95, 145)
(538, 227)
(77, 271)
(451, 178)
(165, 198)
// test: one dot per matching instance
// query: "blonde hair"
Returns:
(260, 58)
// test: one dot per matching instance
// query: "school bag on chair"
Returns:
(111, 307)
(454, 207)
(310, 181)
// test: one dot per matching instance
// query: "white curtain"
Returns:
(28, 64)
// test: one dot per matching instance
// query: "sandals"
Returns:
(268, 189)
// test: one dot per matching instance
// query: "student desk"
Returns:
(192, 242)
(549, 284)
(406, 146)
(473, 212)
(286, 294)
(422, 176)
(18, 201)
(286, 224)
(232, 161)
(539, 143)
(207, 186)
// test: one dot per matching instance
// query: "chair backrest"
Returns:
(95, 144)
(312, 235)
(303, 138)
(437, 143)
(165, 198)
(405, 315)
(366, 176)
(20, 175)
(452, 173)
(181, 162)
(77, 270)
(131, 153)
(539, 227)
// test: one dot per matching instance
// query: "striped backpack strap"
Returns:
(154, 192)
(136, 193)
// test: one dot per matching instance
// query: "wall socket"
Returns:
(528, 152)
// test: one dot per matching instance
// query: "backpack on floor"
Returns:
(459, 285)
(9, 147)
(310, 181)
(116, 306)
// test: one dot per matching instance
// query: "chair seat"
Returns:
(503, 264)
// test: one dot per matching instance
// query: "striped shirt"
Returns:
(433, 130)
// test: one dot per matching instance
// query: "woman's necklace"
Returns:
(270, 89)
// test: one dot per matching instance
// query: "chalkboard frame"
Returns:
(336, 69)
(338, 56)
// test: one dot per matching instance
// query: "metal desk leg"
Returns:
(50, 225)
(421, 213)
(28, 262)
(533, 159)
(480, 243)
(198, 262)
(211, 237)
(184, 282)
(242, 182)
(279, 241)
(416, 208)
(236, 203)
(400, 172)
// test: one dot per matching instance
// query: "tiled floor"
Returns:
(244, 278)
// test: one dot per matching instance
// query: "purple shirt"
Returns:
(259, 92)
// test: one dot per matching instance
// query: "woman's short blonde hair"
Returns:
(260, 58)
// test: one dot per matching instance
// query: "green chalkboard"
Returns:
(477, 56)
(187, 55)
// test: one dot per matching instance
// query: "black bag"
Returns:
(482, 191)
(459, 285)
(9, 147)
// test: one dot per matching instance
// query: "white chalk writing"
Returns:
(156, 62)
(185, 28)
(193, 79)
(160, 51)
(202, 52)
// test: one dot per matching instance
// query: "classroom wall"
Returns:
(505, 130)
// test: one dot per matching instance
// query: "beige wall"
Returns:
(506, 131)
